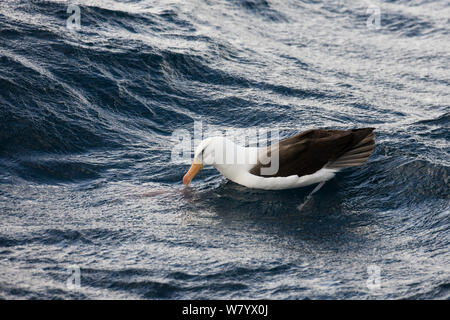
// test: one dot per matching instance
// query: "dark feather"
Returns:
(312, 150)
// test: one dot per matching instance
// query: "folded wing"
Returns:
(312, 150)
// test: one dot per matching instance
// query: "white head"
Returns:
(210, 151)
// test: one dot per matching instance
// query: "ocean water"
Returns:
(92, 205)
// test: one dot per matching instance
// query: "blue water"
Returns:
(87, 181)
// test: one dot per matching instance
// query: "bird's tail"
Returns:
(357, 154)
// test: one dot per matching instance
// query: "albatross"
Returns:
(310, 157)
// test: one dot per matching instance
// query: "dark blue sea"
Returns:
(92, 205)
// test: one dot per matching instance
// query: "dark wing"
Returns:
(310, 151)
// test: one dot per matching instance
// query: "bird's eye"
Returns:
(200, 156)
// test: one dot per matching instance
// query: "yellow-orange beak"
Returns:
(193, 170)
